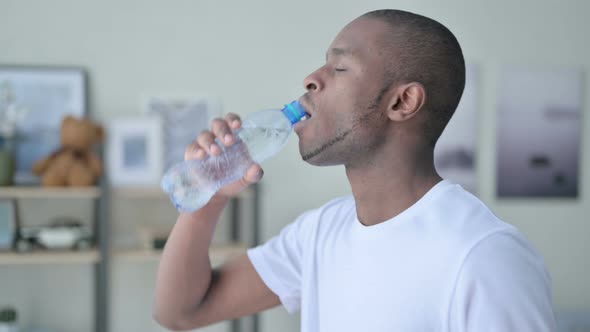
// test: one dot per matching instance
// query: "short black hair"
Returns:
(425, 51)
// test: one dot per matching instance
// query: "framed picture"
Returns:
(539, 131)
(47, 94)
(7, 224)
(134, 152)
(183, 118)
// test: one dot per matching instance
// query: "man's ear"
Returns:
(406, 101)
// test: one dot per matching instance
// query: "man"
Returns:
(408, 251)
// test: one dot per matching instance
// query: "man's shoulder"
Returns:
(459, 211)
(505, 241)
(459, 221)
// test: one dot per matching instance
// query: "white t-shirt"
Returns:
(444, 264)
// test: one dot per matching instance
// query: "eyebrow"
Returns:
(336, 51)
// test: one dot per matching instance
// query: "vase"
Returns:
(7, 162)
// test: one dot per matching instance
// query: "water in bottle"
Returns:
(192, 183)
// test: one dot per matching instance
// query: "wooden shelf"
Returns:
(49, 192)
(217, 254)
(50, 257)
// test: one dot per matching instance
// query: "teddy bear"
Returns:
(74, 163)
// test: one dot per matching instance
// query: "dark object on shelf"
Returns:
(159, 243)
(153, 237)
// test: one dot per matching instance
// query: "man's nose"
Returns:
(313, 83)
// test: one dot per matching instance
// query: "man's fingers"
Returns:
(194, 151)
(222, 131)
(206, 141)
(206, 144)
(253, 174)
(233, 121)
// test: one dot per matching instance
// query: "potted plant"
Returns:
(11, 114)
(8, 319)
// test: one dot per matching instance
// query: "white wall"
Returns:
(255, 54)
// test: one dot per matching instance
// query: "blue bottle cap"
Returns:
(294, 111)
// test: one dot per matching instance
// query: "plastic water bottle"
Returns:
(192, 183)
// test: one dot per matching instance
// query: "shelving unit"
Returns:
(97, 256)
(103, 253)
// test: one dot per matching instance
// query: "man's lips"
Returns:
(299, 125)
(303, 103)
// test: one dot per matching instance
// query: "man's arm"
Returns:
(189, 294)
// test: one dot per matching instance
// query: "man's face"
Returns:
(343, 97)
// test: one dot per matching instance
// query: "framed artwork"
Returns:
(538, 131)
(455, 151)
(47, 94)
(134, 152)
(183, 119)
(7, 224)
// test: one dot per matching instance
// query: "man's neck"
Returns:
(384, 188)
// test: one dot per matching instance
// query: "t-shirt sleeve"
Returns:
(502, 286)
(279, 263)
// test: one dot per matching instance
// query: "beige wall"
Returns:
(255, 54)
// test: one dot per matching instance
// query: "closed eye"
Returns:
(339, 69)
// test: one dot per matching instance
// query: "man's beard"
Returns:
(338, 138)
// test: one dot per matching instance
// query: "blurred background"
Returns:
(85, 258)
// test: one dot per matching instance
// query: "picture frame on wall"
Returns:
(543, 160)
(47, 94)
(183, 118)
(134, 152)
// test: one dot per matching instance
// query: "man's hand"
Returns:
(205, 145)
